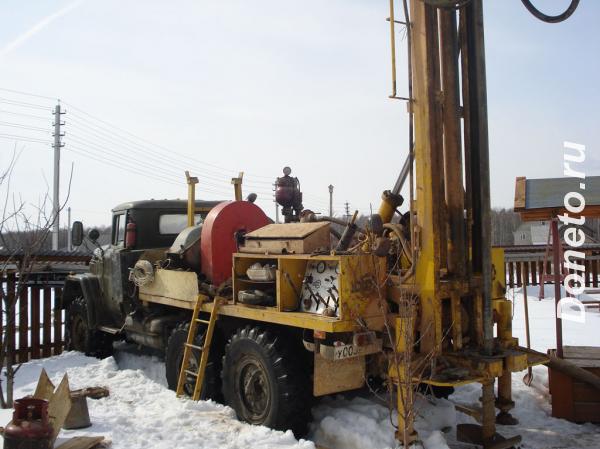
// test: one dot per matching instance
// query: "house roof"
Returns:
(539, 199)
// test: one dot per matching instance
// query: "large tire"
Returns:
(79, 336)
(211, 388)
(264, 382)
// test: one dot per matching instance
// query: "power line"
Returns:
(22, 114)
(106, 135)
(28, 94)
(17, 125)
(24, 138)
(112, 127)
(113, 142)
(176, 173)
(24, 104)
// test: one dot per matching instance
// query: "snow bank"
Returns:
(143, 413)
(360, 423)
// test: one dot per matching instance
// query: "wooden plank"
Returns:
(287, 231)
(511, 274)
(549, 213)
(44, 388)
(526, 272)
(35, 323)
(581, 352)
(10, 313)
(520, 193)
(59, 406)
(586, 412)
(81, 443)
(588, 273)
(534, 273)
(583, 392)
(23, 323)
(585, 363)
(519, 280)
(57, 322)
(47, 324)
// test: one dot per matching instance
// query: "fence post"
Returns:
(58, 322)
(35, 322)
(47, 332)
(23, 322)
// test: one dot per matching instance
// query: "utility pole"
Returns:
(69, 241)
(330, 200)
(56, 190)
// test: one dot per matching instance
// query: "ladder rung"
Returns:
(202, 321)
(191, 373)
(199, 348)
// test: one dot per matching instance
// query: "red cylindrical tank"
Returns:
(223, 224)
(30, 427)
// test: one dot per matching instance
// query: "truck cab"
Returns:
(104, 298)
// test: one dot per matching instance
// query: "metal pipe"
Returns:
(402, 176)
(191, 205)
(557, 272)
(480, 166)
(393, 46)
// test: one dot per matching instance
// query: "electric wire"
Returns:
(20, 92)
(18, 125)
(163, 148)
(107, 134)
(117, 157)
(23, 138)
(23, 114)
(113, 141)
(24, 104)
(87, 130)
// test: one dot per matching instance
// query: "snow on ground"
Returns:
(142, 413)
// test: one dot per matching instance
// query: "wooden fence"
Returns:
(38, 319)
(528, 261)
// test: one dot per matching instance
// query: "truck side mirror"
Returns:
(93, 235)
(77, 233)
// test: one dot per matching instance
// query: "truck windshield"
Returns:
(175, 223)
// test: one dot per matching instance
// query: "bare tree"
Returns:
(24, 229)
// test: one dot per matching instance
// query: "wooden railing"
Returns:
(528, 261)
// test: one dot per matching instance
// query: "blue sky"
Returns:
(253, 86)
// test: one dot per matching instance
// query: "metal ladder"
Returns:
(204, 349)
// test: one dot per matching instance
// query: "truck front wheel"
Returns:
(264, 383)
(79, 336)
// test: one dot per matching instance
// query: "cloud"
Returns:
(20, 40)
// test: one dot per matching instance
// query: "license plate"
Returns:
(345, 352)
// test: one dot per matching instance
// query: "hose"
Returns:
(398, 230)
(551, 19)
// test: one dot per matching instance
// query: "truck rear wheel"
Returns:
(79, 336)
(263, 383)
(174, 358)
